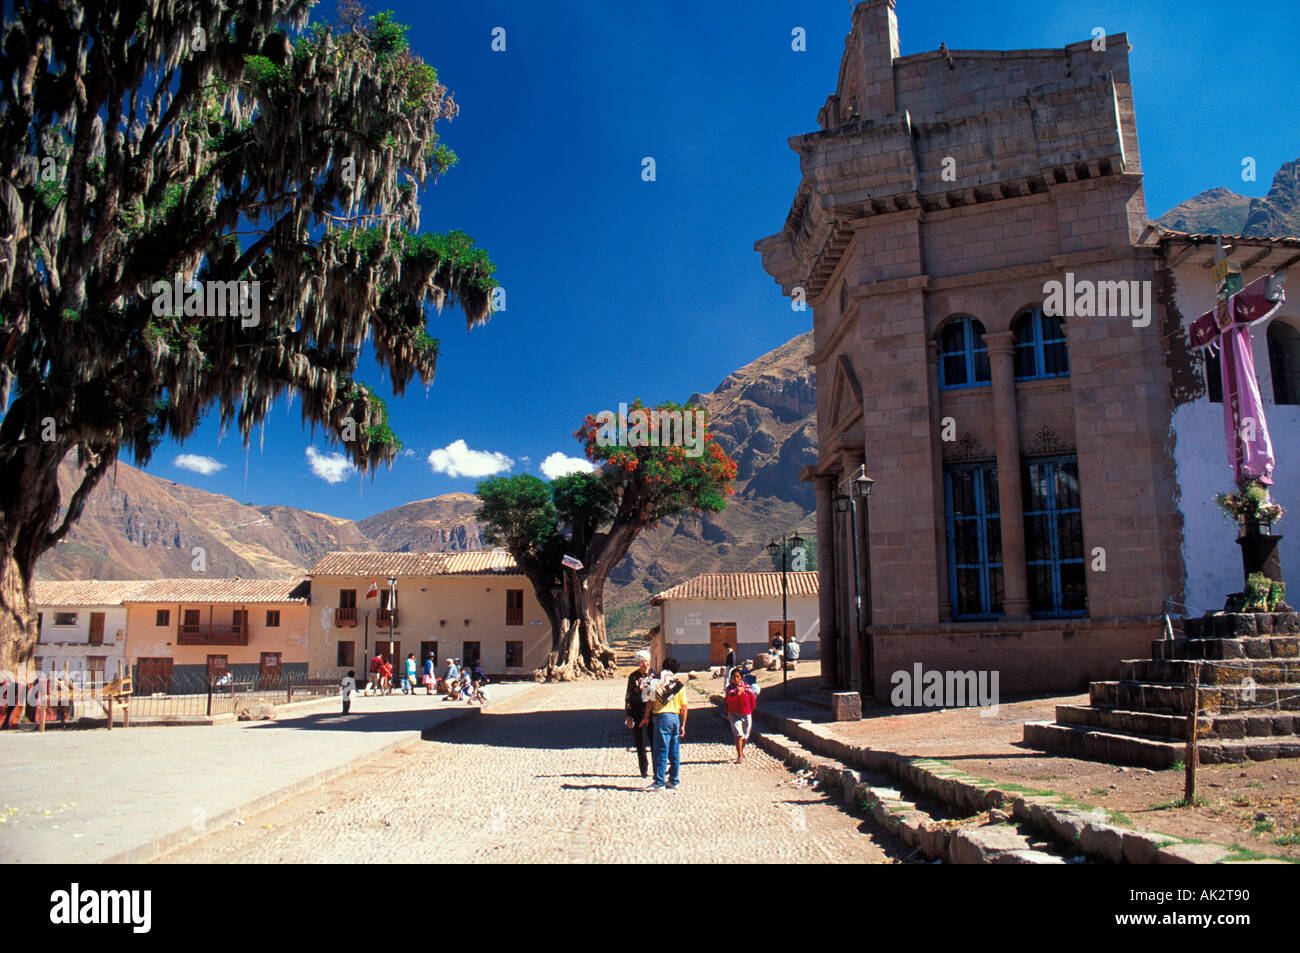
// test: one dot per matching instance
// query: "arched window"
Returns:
(1284, 362)
(963, 356)
(1040, 346)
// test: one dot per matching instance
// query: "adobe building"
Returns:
(81, 625)
(182, 633)
(742, 609)
(1025, 512)
(475, 606)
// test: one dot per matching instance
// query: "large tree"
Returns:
(226, 143)
(594, 518)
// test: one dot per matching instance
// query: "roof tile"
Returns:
(739, 585)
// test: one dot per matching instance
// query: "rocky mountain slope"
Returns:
(139, 526)
(1221, 211)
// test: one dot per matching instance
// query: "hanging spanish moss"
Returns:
(204, 207)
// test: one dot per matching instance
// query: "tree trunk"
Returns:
(17, 628)
(578, 644)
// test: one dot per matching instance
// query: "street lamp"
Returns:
(860, 486)
(392, 613)
(787, 542)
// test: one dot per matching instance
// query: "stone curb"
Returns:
(1071, 827)
(165, 843)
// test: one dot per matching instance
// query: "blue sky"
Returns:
(618, 288)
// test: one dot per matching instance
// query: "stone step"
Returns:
(1179, 698)
(1111, 747)
(1236, 625)
(1118, 747)
(1253, 647)
(1212, 671)
(1256, 724)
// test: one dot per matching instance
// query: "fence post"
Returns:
(209, 695)
(1193, 755)
(288, 685)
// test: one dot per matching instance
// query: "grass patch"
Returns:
(1181, 802)
(1263, 827)
(1287, 840)
(1177, 766)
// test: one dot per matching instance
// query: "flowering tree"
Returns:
(594, 519)
(276, 163)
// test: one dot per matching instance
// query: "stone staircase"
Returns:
(1249, 666)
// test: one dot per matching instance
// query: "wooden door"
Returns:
(153, 675)
(393, 652)
(720, 632)
(95, 668)
(217, 666)
(269, 674)
(469, 656)
(97, 628)
(774, 629)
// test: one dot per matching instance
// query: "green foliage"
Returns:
(1249, 503)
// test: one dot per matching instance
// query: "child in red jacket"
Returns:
(741, 701)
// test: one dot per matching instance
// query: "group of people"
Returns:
(655, 710)
(456, 684)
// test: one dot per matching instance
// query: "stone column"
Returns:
(857, 587)
(1006, 434)
(828, 631)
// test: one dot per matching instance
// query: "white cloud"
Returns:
(458, 460)
(408, 452)
(558, 465)
(198, 464)
(332, 468)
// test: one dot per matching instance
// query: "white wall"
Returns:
(60, 643)
(1211, 558)
(685, 626)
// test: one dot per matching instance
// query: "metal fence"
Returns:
(67, 699)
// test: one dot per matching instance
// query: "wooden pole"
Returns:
(1189, 787)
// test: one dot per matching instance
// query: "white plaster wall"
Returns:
(1211, 558)
(71, 644)
(686, 621)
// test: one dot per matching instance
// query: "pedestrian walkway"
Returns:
(551, 777)
(86, 796)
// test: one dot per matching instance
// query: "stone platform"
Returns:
(1249, 665)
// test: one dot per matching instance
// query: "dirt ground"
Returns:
(1254, 806)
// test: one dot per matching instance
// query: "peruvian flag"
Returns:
(373, 590)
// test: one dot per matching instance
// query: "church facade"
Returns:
(998, 346)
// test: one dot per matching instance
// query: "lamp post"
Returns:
(859, 489)
(795, 541)
(392, 613)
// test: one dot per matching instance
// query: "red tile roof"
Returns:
(85, 592)
(740, 585)
(219, 591)
(415, 564)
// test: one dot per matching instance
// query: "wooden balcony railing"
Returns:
(216, 633)
(384, 615)
(346, 616)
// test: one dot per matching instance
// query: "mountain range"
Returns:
(1221, 211)
(137, 526)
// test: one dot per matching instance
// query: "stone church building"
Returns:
(1025, 515)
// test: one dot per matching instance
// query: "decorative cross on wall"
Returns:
(1245, 432)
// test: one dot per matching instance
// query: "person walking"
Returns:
(667, 707)
(740, 701)
(634, 709)
(376, 672)
(408, 675)
(729, 662)
(348, 686)
(386, 676)
(430, 674)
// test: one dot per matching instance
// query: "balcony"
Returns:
(346, 616)
(215, 633)
(385, 617)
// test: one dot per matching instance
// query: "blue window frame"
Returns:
(1040, 346)
(1054, 537)
(963, 356)
(974, 540)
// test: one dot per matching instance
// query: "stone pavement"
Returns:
(550, 778)
(85, 796)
